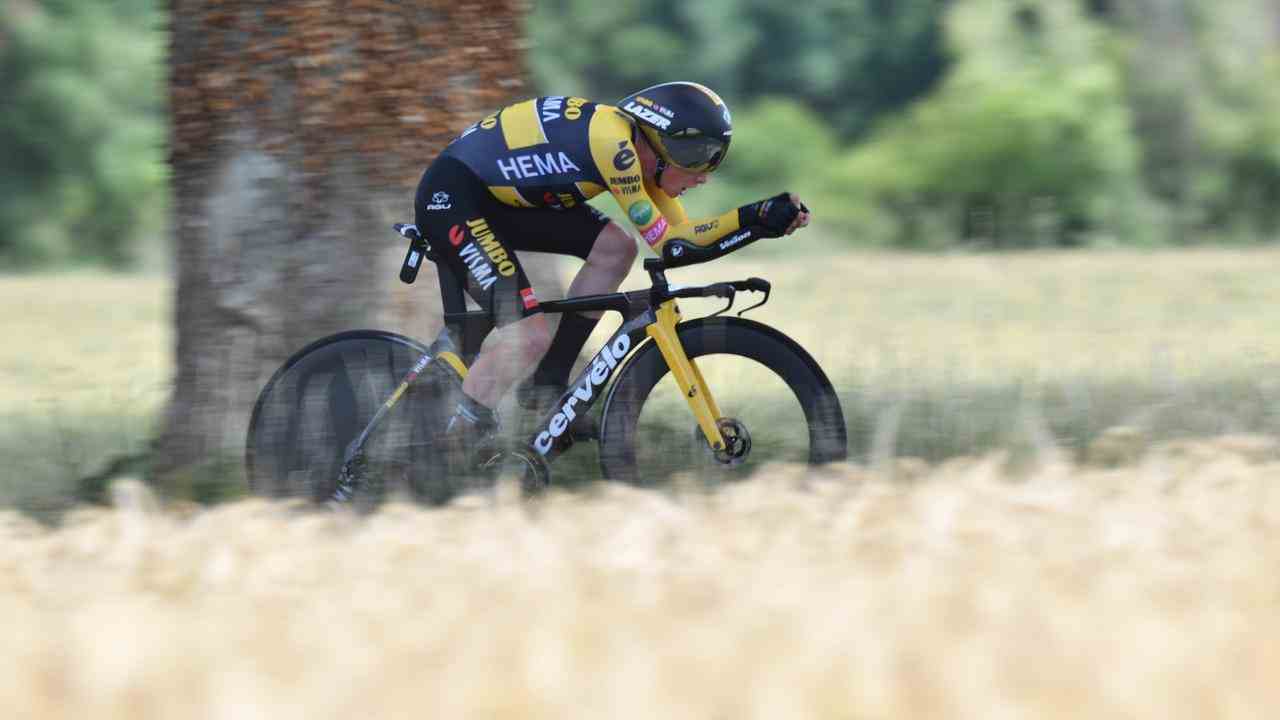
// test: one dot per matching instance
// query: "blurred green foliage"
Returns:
(983, 123)
(848, 60)
(906, 123)
(1027, 141)
(82, 132)
(1204, 85)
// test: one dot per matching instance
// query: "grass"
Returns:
(933, 356)
(959, 354)
(84, 372)
(1127, 571)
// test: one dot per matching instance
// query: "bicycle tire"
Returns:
(782, 356)
(324, 395)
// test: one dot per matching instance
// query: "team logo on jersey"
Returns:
(488, 123)
(530, 165)
(483, 255)
(625, 157)
(655, 233)
(551, 108)
(625, 184)
(528, 298)
(640, 213)
(440, 201)
(558, 201)
(735, 240)
(556, 106)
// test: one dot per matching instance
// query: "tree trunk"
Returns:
(300, 129)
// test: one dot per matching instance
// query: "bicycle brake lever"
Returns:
(731, 295)
(756, 284)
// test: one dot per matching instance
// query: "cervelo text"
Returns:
(601, 369)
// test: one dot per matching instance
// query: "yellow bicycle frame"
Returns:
(685, 372)
(448, 358)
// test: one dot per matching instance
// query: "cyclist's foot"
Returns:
(538, 394)
(471, 438)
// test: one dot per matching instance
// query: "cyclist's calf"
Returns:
(509, 354)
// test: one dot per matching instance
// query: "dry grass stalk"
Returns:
(1141, 592)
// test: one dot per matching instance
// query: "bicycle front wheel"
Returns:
(776, 404)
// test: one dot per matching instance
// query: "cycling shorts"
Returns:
(478, 235)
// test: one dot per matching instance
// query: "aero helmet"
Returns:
(686, 123)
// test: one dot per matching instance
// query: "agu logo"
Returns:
(440, 201)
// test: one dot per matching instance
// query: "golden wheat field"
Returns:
(1134, 578)
(1147, 592)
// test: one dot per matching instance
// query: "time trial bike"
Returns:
(355, 413)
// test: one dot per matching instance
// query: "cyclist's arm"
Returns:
(656, 215)
(702, 232)
(672, 208)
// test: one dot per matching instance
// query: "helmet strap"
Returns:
(662, 162)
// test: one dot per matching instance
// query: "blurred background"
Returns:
(919, 123)
(1132, 145)
(1042, 277)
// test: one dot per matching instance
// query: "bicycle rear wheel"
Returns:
(324, 396)
(774, 400)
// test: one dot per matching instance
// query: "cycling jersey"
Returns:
(477, 237)
(558, 152)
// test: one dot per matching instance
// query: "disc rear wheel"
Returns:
(319, 402)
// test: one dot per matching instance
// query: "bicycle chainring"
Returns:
(522, 463)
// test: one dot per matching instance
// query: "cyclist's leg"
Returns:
(608, 263)
(609, 251)
(510, 353)
(457, 213)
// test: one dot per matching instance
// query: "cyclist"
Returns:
(519, 179)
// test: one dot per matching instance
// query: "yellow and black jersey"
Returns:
(558, 152)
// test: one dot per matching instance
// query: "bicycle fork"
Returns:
(685, 371)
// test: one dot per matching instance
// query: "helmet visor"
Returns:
(699, 153)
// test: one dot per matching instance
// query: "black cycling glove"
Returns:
(773, 216)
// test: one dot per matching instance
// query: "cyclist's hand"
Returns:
(802, 218)
(781, 215)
